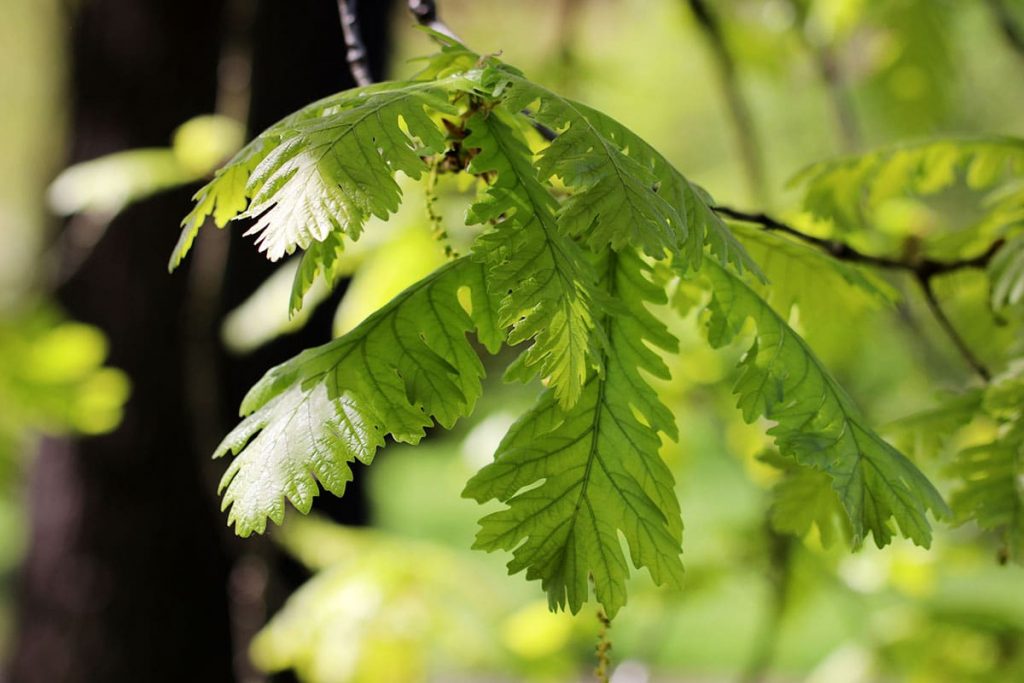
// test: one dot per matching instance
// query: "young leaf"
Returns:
(816, 422)
(543, 278)
(403, 368)
(576, 478)
(992, 474)
(928, 431)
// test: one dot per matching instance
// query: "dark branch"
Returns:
(425, 12)
(926, 267)
(923, 270)
(743, 121)
(356, 55)
(950, 329)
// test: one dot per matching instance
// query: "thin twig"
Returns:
(743, 121)
(950, 329)
(1012, 31)
(839, 97)
(604, 645)
(425, 12)
(780, 550)
(923, 270)
(831, 76)
(566, 23)
(356, 54)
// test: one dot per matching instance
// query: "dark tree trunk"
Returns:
(128, 567)
(125, 575)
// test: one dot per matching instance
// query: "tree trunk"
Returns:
(127, 573)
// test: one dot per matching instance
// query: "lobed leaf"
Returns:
(806, 277)
(327, 167)
(574, 479)
(804, 499)
(402, 369)
(992, 489)
(625, 192)
(843, 189)
(543, 279)
(816, 421)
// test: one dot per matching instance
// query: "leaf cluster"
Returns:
(562, 270)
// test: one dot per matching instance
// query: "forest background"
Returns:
(117, 380)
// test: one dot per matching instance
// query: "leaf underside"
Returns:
(405, 367)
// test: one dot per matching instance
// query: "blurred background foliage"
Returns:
(405, 599)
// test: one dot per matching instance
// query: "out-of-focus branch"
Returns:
(838, 96)
(923, 270)
(356, 55)
(736, 103)
(780, 550)
(827, 64)
(1011, 30)
(566, 21)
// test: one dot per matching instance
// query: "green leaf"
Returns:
(992, 474)
(543, 279)
(927, 431)
(324, 259)
(843, 190)
(808, 278)
(625, 192)
(333, 171)
(327, 167)
(992, 493)
(222, 198)
(575, 479)
(816, 422)
(804, 498)
(398, 372)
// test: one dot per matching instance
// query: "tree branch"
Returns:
(923, 270)
(356, 55)
(743, 122)
(950, 329)
(844, 252)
